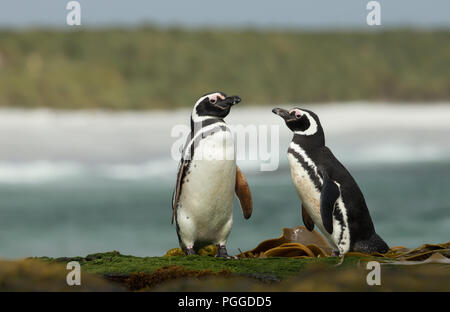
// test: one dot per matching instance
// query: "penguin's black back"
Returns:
(351, 193)
(362, 231)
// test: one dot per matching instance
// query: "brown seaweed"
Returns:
(300, 243)
(305, 243)
(210, 250)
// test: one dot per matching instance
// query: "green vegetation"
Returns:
(206, 273)
(114, 263)
(153, 68)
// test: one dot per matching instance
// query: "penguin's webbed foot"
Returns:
(335, 253)
(222, 253)
(190, 251)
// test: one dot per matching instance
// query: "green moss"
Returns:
(113, 263)
(206, 273)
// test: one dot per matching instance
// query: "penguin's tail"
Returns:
(374, 244)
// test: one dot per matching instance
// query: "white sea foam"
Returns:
(39, 171)
(44, 145)
(165, 168)
(48, 171)
(398, 154)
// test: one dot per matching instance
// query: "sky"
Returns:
(295, 14)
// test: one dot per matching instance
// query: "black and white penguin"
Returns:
(208, 178)
(330, 197)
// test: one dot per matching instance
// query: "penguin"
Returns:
(208, 178)
(331, 198)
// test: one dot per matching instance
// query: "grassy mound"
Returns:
(206, 273)
(296, 254)
(116, 264)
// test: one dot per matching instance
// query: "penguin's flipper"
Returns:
(328, 197)
(307, 221)
(177, 190)
(243, 193)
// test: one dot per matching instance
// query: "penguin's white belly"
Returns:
(309, 195)
(205, 208)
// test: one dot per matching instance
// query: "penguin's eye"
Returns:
(213, 101)
(295, 113)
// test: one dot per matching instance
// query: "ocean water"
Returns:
(74, 183)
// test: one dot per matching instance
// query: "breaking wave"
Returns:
(54, 146)
(38, 171)
(46, 171)
(165, 169)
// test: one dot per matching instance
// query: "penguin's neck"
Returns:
(308, 143)
(195, 126)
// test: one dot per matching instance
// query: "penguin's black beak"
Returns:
(234, 99)
(283, 113)
(228, 101)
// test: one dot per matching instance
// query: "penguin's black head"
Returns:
(213, 105)
(301, 121)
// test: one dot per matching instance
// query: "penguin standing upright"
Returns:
(331, 199)
(208, 178)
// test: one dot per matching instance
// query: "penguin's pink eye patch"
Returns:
(298, 113)
(213, 98)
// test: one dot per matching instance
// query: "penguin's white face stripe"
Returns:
(298, 112)
(313, 124)
(307, 159)
(213, 97)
